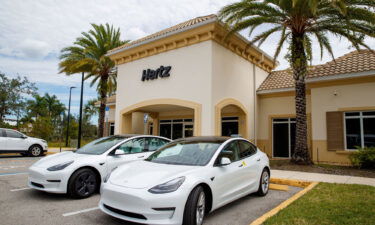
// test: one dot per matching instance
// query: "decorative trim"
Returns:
(125, 113)
(231, 101)
(209, 30)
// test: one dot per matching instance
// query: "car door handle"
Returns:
(141, 156)
(240, 165)
(258, 159)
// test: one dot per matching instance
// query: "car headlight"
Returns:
(60, 166)
(106, 178)
(167, 187)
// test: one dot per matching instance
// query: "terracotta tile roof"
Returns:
(180, 26)
(353, 62)
(111, 99)
(278, 79)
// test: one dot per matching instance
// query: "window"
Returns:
(246, 149)
(133, 146)
(283, 137)
(2, 133)
(155, 143)
(229, 126)
(178, 128)
(13, 134)
(359, 129)
(111, 128)
(230, 151)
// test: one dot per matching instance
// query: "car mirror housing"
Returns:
(225, 161)
(118, 152)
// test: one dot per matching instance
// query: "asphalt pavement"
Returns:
(20, 205)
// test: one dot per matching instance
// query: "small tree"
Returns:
(13, 93)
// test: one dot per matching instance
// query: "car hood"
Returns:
(35, 139)
(62, 157)
(144, 174)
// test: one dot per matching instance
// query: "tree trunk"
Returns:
(299, 64)
(103, 102)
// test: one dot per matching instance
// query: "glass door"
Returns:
(283, 137)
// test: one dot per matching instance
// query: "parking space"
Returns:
(21, 205)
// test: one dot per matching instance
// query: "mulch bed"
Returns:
(322, 168)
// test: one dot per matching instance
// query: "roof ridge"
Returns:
(187, 23)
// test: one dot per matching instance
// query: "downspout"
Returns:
(255, 104)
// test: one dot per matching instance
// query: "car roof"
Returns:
(217, 139)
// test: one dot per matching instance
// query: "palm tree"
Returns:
(299, 22)
(88, 54)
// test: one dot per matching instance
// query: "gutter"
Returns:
(369, 73)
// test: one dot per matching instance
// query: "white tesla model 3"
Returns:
(184, 180)
(79, 173)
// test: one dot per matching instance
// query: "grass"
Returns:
(330, 204)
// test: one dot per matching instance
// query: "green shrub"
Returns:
(364, 158)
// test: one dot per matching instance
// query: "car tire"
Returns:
(83, 183)
(35, 151)
(195, 208)
(264, 182)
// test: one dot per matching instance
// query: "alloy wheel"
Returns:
(35, 151)
(85, 184)
(265, 181)
(200, 209)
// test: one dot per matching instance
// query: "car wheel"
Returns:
(83, 183)
(35, 151)
(195, 208)
(264, 183)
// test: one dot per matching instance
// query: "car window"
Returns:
(190, 153)
(246, 149)
(13, 134)
(230, 151)
(2, 133)
(133, 146)
(101, 145)
(155, 143)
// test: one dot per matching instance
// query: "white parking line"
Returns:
(80, 211)
(11, 174)
(20, 189)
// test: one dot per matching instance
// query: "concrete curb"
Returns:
(307, 187)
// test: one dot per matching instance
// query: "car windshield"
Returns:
(191, 153)
(100, 145)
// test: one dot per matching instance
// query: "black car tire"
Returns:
(264, 183)
(35, 151)
(83, 183)
(191, 207)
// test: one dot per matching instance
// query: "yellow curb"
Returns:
(296, 183)
(284, 204)
(279, 187)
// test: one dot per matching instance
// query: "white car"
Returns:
(184, 180)
(12, 141)
(79, 173)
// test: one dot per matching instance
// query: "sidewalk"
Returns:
(321, 177)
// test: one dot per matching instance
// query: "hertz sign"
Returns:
(162, 71)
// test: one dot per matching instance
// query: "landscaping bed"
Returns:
(322, 168)
(330, 204)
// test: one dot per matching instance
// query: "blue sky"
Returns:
(32, 33)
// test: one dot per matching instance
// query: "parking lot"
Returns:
(21, 205)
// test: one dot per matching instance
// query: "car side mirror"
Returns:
(23, 136)
(225, 161)
(118, 152)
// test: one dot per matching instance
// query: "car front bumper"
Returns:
(44, 180)
(141, 206)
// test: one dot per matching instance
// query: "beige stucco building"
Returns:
(192, 80)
